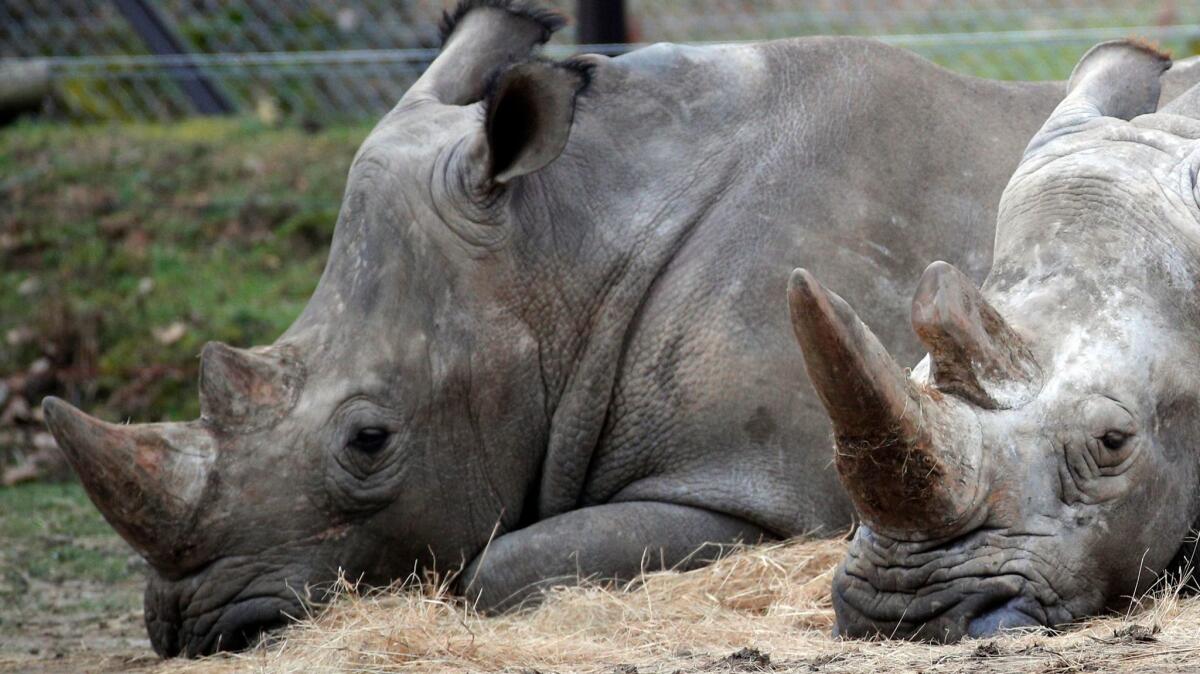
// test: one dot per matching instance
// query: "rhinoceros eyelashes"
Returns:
(1111, 427)
(973, 352)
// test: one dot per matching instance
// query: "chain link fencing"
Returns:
(329, 61)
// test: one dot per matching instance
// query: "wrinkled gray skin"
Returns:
(566, 324)
(1060, 405)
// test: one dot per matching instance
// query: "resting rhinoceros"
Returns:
(1040, 464)
(551, 334)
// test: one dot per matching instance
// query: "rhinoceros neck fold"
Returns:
(585, 332)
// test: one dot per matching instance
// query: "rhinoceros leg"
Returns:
(609, 542)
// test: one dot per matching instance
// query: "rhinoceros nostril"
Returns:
(1013, 613)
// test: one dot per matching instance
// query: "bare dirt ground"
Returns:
(72, 629)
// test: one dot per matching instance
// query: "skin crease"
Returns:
(1092, 485)
(574, 352)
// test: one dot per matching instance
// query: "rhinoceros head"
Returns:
(1040, 464)
(355, 443)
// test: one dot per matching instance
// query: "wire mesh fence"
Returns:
(351, 60)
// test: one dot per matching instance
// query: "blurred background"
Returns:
(345, 61)
(170, 170)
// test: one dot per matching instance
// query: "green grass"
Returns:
(68, 583)
(111, 234)
(53, 533)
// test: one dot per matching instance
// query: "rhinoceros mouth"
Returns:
(241, 625)
(975, 586)
(233, 627)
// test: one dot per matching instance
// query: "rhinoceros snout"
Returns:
(232, 628)
(1015, 613)
(241, 626)
(945, 619)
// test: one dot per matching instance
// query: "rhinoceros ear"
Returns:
(477, 35)
(1119, 78)
(245, 390)
(1113, 79)
(530, 107)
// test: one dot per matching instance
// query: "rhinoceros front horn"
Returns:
(147, 479)
(910, 461)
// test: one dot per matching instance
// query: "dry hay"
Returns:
(762, 609)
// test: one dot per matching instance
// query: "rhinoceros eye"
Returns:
(1114, 440)
(370, 440)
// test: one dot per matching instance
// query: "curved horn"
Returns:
(477, 37)
(893, 442)
(1113, 79)
(246, 390)
(973, 352)
(147, 480)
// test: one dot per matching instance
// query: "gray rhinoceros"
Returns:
(551, 334)
(1040, 465)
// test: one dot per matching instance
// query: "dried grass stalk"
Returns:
(763, 608)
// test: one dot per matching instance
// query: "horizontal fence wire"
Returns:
(351, 61)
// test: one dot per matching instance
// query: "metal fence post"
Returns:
(205, 97)
(601, 22)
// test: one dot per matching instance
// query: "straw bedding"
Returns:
(763, 608)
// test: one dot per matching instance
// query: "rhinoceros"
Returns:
(1039, 465)
(551, 334)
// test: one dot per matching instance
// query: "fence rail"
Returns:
(338, 61)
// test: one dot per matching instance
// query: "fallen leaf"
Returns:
(171, 333)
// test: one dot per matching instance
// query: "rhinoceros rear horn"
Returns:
(910, 462)
(146, 479)
(973, 352)
(1113, 79)
(477, 37)
(244, 390)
